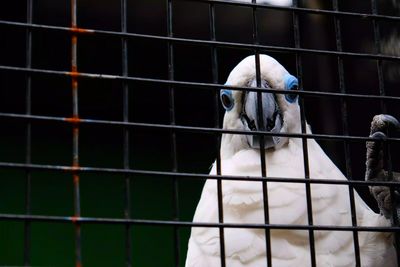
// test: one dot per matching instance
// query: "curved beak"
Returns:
(271, 120)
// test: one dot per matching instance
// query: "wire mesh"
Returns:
(128, 83)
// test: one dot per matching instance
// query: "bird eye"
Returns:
(227, 99)
(291, 83)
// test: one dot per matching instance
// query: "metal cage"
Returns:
(110, 116)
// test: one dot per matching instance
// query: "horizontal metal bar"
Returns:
(193, 129)
(42, 167)
(209, 86)
(96, 220)
(261, 48)
(368, 16)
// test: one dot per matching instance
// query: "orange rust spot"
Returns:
(74, 120)
(75, 168)
(74, 40)
(74, 84)
(76, 178)
(74, 75)
(74, 219)
(75, 131)
(75, 29)
(78, 264)
(74, 71)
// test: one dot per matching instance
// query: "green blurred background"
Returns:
(102, 195)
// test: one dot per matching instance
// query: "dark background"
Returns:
(102, 195)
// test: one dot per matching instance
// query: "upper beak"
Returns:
(269, 110)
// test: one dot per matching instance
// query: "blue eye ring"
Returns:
(291, 83)
(227, 99)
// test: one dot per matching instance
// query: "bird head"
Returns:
(280, 112)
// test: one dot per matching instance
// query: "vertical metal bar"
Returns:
(28, 153)
(296, 27)
(75, 133)
(125, 111)
(173, 133)
(214, 66)
(346, 133)
(378, 51)
(262, 148)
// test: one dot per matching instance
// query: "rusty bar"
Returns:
(75, 131)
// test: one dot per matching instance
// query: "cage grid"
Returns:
(127, 126)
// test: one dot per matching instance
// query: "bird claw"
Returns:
(383, 198)
(380, 126)
(383, 123)
(378, 135)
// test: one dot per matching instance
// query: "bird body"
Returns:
(243, 201)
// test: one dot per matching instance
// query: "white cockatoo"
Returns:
(243, 200)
